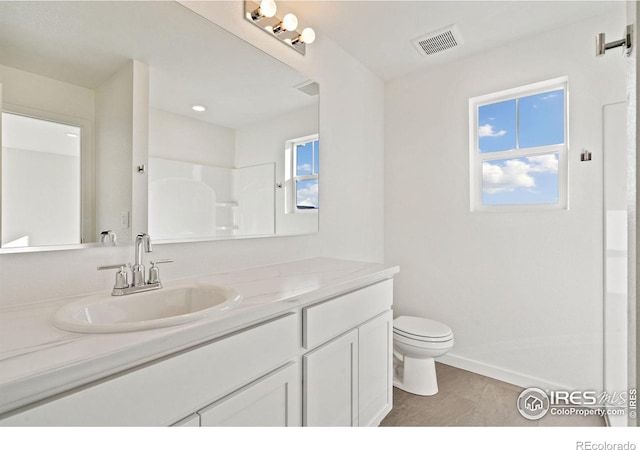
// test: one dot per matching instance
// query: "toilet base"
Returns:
(416, 376)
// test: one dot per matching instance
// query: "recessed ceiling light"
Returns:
(72, 135)
(199, 108)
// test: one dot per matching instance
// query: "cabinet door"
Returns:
(273, 400)
(330, 374)
(375, 366)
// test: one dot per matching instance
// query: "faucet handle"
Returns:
(122, 277)
(161, 261)
(154, 273)
(115, 266)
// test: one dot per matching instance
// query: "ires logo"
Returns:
(534, 403)
(587, 398)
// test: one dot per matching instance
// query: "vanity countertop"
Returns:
(38, 360)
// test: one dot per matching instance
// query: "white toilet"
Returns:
(416, 342)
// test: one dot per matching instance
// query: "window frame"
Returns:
(476, 159)
(291, 178)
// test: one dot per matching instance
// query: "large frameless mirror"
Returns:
(128, 117)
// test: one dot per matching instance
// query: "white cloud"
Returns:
(543, 163)
(516, 173)
(549, 96)
(308, 196)
(304, 168)
(487, 131)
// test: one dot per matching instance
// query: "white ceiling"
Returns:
(195, 61)
(379, 33)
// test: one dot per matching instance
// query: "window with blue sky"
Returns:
(306, 174)
(520, 143)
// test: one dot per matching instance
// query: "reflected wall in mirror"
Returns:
(48, 152)
(124, 77)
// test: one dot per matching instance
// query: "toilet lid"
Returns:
(420, 327)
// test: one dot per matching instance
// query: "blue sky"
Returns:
(532, 180)
(307, 159)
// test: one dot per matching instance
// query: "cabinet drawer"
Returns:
(163, 392)
(326, 320)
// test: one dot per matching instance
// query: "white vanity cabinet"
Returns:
(172, 389)
(348, 380)
(375, 369)
(331, 383)
(323, 363)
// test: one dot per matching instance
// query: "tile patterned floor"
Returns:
(468, 399)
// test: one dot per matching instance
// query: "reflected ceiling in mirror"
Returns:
(256, 109)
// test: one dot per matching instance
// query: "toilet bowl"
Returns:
(416, 342)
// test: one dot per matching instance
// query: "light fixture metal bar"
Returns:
(267, 24)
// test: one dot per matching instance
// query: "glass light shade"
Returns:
(308, 35)
(290, 22)
(268, 8)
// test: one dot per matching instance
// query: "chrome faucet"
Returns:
(108, 237)
(138, 268)
(138, 283)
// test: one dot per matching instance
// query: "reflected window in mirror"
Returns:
(304, 154)
(40, 182)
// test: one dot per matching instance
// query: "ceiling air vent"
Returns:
(309, 87)
(438, 41)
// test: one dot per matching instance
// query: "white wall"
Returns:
(264, 142)
(49, 216)
(113, 152)
(351, 129)
(139, 147)
(521, 291)
(46, 94)
(181, 138)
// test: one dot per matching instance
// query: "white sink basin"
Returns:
(145, 310)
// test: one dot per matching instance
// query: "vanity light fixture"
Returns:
(267, 9)
(289, 23)
(199, 108)
(306, 37)
(283, 29)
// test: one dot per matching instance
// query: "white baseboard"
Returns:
(498, 373)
